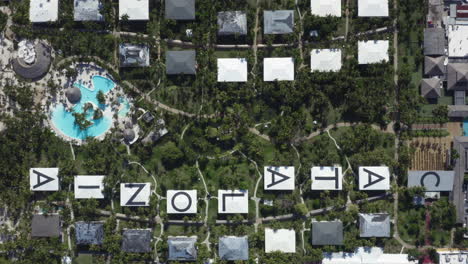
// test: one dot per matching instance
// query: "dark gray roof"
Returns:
(148, 117)
(180, 62)
(128, 124)
(430, 88)
(434, 66)
(434, 41)
(182, 248)
(129, 134)
(278, 21)
(232, 22)
(87, 10)
(133, 55)
(45, 226)
(459, 97)
(233, 248)
(458, 111)
(457, 76)
(136, 240)
(73, 94)
(39, 68)
(374, 225)
(180, 9)
(327, 233)
(89, 233)
(460, 144)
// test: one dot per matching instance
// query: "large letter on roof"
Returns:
(233, 202)
(278, 178)
(44, 179)
(134, 194)
(89, 186)
(374, 178)
(432, 181)
(181, 201)
(327, 178)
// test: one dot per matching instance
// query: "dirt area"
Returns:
(431, 153)
(436, 12)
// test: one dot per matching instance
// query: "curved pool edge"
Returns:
(104, 82)
(75, 141)
(104, 77)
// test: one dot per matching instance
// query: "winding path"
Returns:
(207, 205)
(186, 44)
(150, 174)
(258, 220)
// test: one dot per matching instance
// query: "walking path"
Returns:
(185, 44)
(347, 20)
(254, 44)
(427, 240)
(258, 220)
(206, 199)
(396, 235)
(150, 174)
(347, 124)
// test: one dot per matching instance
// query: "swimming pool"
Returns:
(126, 107)
(465, 127)
(64, 120)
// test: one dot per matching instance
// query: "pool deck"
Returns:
(86, 71)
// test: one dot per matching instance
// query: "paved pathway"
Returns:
(206, 199)
(254, 44)
(258, 220)
(150, 174)
(396, 235)
(347, 20)
(185, 44)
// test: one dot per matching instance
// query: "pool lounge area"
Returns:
(63, 119)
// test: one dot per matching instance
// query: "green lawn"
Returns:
(83, 259)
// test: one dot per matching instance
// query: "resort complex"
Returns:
(222, 132)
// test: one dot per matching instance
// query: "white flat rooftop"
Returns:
(278, 177)
(41, 11)
(181, 201)
(233, 202)
(283, 240)
(373, 51)
(325, 60)
(373, 8)
(374, 178)
(135, 194)
(87, 10)
(278, 69)
(457, 40)
(363, 255)
(327, 178)
(135, 9)
(452, 257)
(232, 70)
(44, 179)
(323, 8)
(89, 186)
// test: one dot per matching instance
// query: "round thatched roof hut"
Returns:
(73, 95)
(129, 135)
(32, 60)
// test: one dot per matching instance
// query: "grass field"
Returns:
(83, 259)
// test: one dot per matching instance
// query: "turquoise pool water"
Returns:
(126, 106)
(465, 127)
(65, 121)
